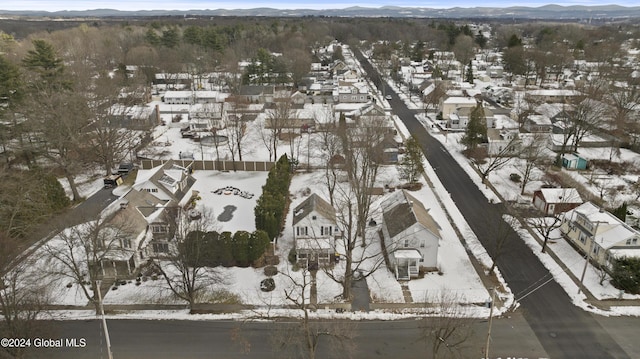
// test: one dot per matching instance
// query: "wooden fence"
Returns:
(198, 165)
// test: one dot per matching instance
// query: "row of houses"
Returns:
(589, 228)
(408, 233)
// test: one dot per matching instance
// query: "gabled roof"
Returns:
(401, 211)
(135, 210)
(610, 229)
(165, 177)
(560, 195)
(313, 203)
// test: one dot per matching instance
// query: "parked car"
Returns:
(112, 181)
(388, 97)
(125, 168)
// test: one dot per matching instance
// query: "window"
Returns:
(422, 243)
(125, 243)
(159, 228)
(325, 231)
(301, 231)
(406, 243)
(314, 217)
(161, 247)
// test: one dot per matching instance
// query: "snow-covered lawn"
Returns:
(232, 212)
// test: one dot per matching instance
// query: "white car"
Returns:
(388, 97)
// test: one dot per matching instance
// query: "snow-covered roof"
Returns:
(461, 100)
(407, 253)
(561, 195)
(610, 230)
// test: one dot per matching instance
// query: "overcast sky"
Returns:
(55, 5)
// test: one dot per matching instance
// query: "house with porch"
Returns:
(595, 231)
(315, 230)
(135, 225)
(410, 235)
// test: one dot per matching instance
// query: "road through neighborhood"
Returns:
(564, 330)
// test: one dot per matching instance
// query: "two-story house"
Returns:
(314, 231)
(132, 224)
(170, 184)
(599, 233)
(410, 234)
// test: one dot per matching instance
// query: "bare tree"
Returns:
(362, 152)
(496, 161)
(464, 50)
(23, 298)
(545, 226)
(501, 234)
(185, 268)
(329, 147)
(534, 154)
(235, 130)
(449, 327)
(279, 118)
(301, 339)
(56, 110)
(110, 132)
(81, 251)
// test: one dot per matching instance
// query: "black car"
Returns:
(125, 168)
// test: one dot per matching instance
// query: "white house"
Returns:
(452, 104)
(595, 231)
(314, 231)
(165, 182)
(411, 236)
(178, 97)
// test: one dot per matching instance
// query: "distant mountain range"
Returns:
(520, 12)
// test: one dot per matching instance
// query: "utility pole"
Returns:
(587, 257)
(104, 321)
(486, 348)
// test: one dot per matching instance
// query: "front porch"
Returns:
(407, 264)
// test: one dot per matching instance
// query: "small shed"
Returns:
(572, 161)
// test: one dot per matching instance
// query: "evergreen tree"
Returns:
(469, 74)
(240, 248)
(151, 37)
(170, 38)
(476, 131)
(258, 244)
(44, 61)
(411, 166)
(418, 51)
(11, 86)
(625, 274)
(620, 212)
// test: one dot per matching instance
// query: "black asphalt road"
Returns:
(564, 330)
(160, 339)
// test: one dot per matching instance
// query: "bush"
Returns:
(515, 177)
(292, 256)
(625, 274)
(270, 271)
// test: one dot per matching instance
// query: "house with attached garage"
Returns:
(595, 231)
(410, 235)
(315, 231)
(168, 181)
